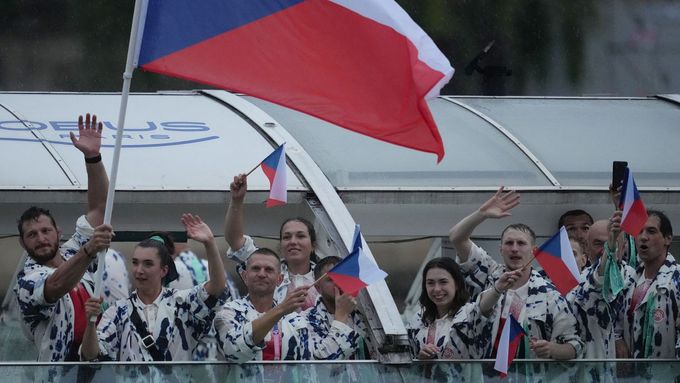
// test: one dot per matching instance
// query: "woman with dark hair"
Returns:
(450, 327)
(158, 323)
(297, 242)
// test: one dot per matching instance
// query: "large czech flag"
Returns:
(634, 214)
(356, 270)
(360, 64)
(557, 259)
(511, 335)
(274, 167)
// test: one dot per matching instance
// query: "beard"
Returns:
(44, 258)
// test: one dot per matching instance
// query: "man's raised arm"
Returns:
(89, 142)
(497, 206)
(233, 221)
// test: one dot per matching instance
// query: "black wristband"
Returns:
(93, 160)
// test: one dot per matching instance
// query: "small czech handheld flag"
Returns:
(557, 259)
(634, 213)
(356, 271)
(507, 346)
(274, 167)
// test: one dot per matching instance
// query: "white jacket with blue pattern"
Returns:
(50, 325)
(548, 314)
(183, 318)
(234, 326)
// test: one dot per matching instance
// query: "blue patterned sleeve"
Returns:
(235, 336)
(413, 328)
(108, 329)
(199, 308)
(477, 325)
(587, 300)
(477, 270)
(337, 342)
(31, 297)
(565, 326)
(242, 254)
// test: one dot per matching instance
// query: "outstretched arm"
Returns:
(89, 142)
(233, 221)
(498, 206)
(200, 231)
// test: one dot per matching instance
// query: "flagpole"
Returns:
(253, 169)
(127, 80)
(260, 163)
(320, 278)
(528, 263)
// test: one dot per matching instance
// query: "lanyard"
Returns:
(431, 333)
(276, 337)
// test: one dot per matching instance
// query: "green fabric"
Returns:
(361, 354)
(197, 266)
(613, 280)
(157, 239)
(525, 340)
(648, 325)
(632, 252)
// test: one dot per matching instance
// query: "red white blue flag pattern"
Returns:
(557, 259)
(511, 336)
(361, 64)
(356, 270)
(634, 214)
(274, 167)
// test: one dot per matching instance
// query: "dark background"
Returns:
(551, 47)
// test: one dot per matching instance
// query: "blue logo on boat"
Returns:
(151, 134)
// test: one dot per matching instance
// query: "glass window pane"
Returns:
(577, 139)
(476, 153)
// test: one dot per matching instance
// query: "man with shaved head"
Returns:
(596, 310)
(595, 240)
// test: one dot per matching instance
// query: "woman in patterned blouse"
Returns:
(158, 323)
(448, 327)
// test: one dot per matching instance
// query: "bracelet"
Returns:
(87, 252)
(495, 289)
(93, 160)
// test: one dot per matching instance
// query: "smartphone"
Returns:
(618, 172)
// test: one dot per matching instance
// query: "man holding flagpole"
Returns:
(337, 329)
(535, 303)
(56, 281)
